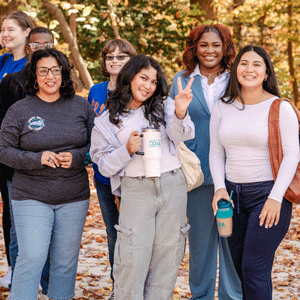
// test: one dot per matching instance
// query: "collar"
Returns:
(197, 72)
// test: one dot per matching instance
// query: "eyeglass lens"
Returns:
(118, 57)
(37, 46)
(43, 71)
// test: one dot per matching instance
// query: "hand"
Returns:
(50, 159)
(219, 194)
(65, 159)
(183, 99)
(134, 142)
(270, 213)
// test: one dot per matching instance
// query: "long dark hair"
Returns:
(119, 99)
(67, 87)
(190, 59)
(233, 89)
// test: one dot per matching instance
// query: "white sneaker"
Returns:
(44, 297)
(6, 280)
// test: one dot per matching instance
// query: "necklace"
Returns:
(217, 73)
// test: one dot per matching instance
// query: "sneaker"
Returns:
(112, 295)
(8, 297)
(6, 280)
(44, 297)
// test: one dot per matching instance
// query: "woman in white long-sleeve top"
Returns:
(152, 229)
(240, 162)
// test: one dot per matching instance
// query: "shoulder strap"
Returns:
(274, 140)
(275, 149)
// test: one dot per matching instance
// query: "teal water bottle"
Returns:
(224, 218)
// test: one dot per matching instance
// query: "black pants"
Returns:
(252, 246)
(6, 224)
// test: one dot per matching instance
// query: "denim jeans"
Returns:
(110, 216)
(42, 228)
(151, 236)
(13, 249)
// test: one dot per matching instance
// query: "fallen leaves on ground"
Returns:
(93, 276)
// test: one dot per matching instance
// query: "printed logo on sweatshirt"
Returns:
(36, 123)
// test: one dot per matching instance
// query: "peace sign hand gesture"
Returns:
(183, 99)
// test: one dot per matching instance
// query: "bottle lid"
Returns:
(224, 204)
(224, 209)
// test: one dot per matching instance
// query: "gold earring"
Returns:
(36, 86)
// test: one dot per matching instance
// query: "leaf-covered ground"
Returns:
(93, 270)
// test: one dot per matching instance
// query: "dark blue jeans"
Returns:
(252, 246)
(14, 249)
(110, 216)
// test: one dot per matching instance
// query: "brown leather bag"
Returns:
(275, 149)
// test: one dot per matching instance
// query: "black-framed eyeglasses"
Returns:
(38, 46)
(118, 57)
(43, 71)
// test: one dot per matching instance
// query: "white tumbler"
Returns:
(151, 152)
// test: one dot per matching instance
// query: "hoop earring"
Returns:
(36, 86)
(63, 85)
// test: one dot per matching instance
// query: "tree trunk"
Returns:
(73, 21)
(237, 25)
(291, 57)
(114, 23)
(206, 6)
(79, 63)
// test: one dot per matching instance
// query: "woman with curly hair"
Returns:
(45, 137)
(152, 230)
(207, 58)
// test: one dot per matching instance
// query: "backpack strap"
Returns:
(4, 59)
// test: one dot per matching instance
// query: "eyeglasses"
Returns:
(38, 46)
(43, 71)
(118, 57)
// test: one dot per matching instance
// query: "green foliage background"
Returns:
(160, 28)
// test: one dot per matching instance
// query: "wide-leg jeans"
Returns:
(204, 242)
(41, 227)
(151, 236)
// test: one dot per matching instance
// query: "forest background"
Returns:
(160, 27)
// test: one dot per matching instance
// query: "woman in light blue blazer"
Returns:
(208, 57)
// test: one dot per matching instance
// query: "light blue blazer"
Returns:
(200, 115)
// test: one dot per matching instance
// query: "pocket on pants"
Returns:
(124, 246)
(182, 241)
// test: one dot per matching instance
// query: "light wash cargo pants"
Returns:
(151, 236)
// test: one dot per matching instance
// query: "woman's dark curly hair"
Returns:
(67, 87)
(119, 99)
(190, 59)
(233, 89)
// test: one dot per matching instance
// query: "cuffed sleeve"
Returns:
(106, 151)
